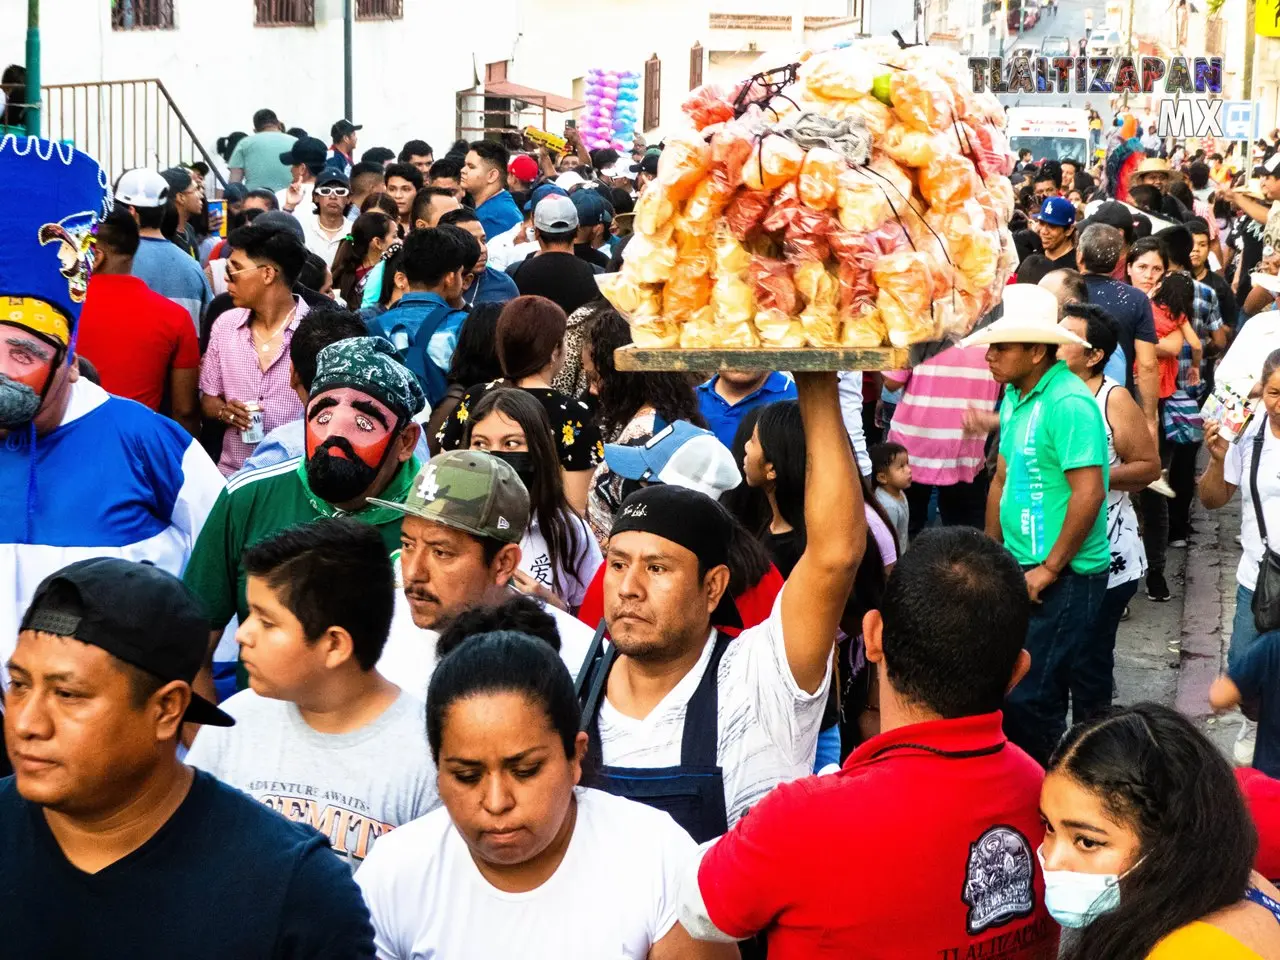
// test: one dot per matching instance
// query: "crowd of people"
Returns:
(349, 580)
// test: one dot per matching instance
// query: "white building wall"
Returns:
(219, 67)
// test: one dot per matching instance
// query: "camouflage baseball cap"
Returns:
(469, 491)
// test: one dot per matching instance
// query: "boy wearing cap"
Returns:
(595, 215)
(112, 845)
(1046, 503)
(1057, 230)
(158, 263)
(320, 736)
(329, 220)
(360, 438)
(343, 136)
(464, 517)
(520, 242)
(305, 159)
(555, 271)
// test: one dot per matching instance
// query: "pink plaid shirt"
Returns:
(230, 370)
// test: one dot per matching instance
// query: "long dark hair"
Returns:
(623, 395)
(1177, 294)
(1152, 769)
(782, 443)
(475, 358)
(565, 537)
(368, 227)
(748, 504)
(504, 662)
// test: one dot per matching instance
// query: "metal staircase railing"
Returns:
(123, 124)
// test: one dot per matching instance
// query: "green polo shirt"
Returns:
(258, 505)
(1056, 427)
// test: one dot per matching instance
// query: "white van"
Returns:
(1050, 133)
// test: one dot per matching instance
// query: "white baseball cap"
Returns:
(680, 455)
(570, 179)
(142, 188)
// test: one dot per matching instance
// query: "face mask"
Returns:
(19, 404)
(338, 479)
(521, 461)
(530, 234)
(1074, 899)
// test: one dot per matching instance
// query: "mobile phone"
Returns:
(571, 124)
(218, 208)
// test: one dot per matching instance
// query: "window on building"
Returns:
(286, 13)
(142, 15)
(379, 9)
(695, 66)
(652, 92)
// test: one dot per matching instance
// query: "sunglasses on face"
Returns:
(332, 192)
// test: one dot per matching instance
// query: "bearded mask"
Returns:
(349, 437)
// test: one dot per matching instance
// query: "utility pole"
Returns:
(1250, 14)
(32, 93)
(348, 18)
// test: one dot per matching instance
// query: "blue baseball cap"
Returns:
(593, 209)
(546, 190)
(1057, 212)
(680, 455)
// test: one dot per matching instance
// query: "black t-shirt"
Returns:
(597, 258)
(225, 877)
(561, 277)
(1130, 308)
(1249, 231)
(784, 550)
(1226, 299)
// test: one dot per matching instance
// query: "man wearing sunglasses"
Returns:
(329, 223)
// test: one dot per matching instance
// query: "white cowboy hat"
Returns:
(1030, 316)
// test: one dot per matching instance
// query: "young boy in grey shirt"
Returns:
(320, 736)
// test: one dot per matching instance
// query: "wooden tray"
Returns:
(635, 358)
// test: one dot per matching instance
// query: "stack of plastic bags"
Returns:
(865, 204)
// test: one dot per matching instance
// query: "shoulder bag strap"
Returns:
(1258, 440)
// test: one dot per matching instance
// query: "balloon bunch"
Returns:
(610, 117)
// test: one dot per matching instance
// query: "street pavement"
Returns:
(1171, 652)
(1068, 22)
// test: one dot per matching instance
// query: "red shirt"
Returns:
(134, 336)
(1262, 794)
(905, 852)
(754, 606)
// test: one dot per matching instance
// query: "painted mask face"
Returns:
(26, 364)
(348, 436)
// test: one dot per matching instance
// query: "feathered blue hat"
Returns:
(53, 197)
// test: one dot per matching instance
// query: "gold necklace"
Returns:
(265, 345)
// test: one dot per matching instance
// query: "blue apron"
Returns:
(693, 792)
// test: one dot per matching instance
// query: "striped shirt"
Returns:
(230, 370)
(929, 420)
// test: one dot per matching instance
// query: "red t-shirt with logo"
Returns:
(134, 336)
(923, 845)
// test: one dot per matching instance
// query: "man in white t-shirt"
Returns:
(321, 736)
(670, 726)
(465, 516)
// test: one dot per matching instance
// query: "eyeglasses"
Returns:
(332, 192)
(232, 274)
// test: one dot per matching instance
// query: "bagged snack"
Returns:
(688, 290)
(745, 211)
(906, 293)
(875, 115)
(863, 200)
(698, 331)
(733, 299)
(922, 100)
(862, 327)
(820, 177)
(807, 235)
(651, 257)
(654, 209)
(730, 256)
(838, 76)
(774, 286)
(888, 172)
(708, 104)
(855, 276)
(654, 332)
(821, 325)
(917, 148)
(778, 330)
(773, 163)
(816, 284)
(628, 296)
(731, 148)
(946, 181)
(682, 164)
(783, 210)
(706, 203)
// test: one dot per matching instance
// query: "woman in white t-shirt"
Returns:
(1230, 468)
(522, 861)
(558, 554)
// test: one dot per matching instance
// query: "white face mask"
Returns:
(1074, 899)
(530, 234)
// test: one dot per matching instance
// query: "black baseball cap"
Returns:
(134, 611)
(308, 150)
(690, 519)
(1113, 213)
(344, 128)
